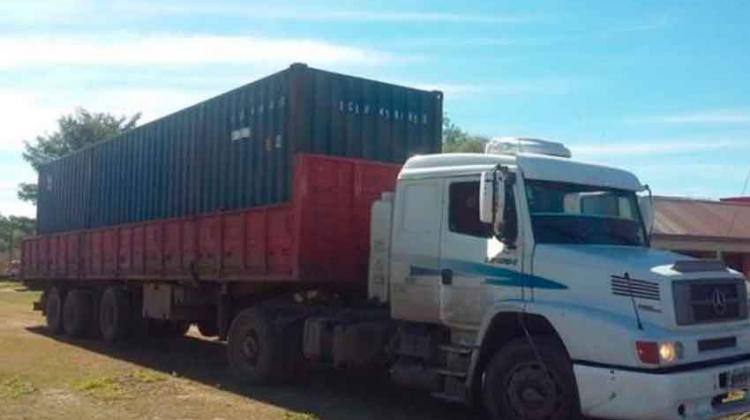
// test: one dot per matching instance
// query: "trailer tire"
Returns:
(114, 315)
(208, 328)
(77, 313)
(518, 387)
(253, 350)
(53, 310)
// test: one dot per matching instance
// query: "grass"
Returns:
(14, 386)
(118, 386)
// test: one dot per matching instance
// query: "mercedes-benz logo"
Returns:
(719, 301)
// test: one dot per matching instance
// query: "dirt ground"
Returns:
(50, 377)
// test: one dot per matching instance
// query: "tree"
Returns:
(75, 131)
(455, 140)
(12, 230)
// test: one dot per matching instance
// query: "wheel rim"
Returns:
(250, 348)
(532, 392)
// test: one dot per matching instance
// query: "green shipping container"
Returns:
(235, 150)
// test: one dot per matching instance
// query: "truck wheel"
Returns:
(518, 387)
(114, 315)
(77, 313)
(252, 348)
(53, 308)
(208, 328)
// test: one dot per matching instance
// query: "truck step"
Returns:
(456, 348)
(448, 397)
(446, 372)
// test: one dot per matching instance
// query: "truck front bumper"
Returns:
(624, 394)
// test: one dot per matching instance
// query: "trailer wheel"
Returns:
(253, 350)
(114, 315)
(77, 313)
(208, 328)
(520, 386)
(53, 308)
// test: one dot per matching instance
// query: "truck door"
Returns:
(474, 265)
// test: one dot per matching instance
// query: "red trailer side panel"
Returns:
(321, 236)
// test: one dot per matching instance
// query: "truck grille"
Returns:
(705, 301)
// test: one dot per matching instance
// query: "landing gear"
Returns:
(525, 382)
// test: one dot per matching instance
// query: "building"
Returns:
(705, 228)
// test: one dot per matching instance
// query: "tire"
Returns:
(77, 313)
(53, 310)
(254, 353)
(518, 387)
(208, 329)
(114, 315)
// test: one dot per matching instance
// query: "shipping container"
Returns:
(236, 150)
(320, 236)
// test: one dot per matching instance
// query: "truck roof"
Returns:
(534, 166)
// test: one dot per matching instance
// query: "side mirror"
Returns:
(646, 204)
(492, 198)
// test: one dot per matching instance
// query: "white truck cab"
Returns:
(536, 273)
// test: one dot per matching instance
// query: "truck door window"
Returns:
(463, 212)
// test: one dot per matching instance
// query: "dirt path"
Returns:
(44, 377)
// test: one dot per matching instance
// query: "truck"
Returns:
(519, 281)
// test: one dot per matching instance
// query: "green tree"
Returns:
(455, 140)
(75, 131)
(12, 230)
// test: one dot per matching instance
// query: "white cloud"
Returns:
(87, 12)
(454, 90)
(34, 113)
(11, 206)
(719, 116)
(312, 13)
(138, 50)
(652, 148)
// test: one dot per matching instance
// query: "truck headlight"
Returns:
(667, 352)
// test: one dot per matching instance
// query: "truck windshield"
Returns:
(563, 213)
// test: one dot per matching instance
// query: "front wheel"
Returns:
(523, 382)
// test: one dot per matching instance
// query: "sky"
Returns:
(658, 88)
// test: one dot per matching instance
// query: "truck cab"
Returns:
(536, 272)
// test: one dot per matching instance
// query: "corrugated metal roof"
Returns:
(702, 218)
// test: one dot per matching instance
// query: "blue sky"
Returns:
(660, 88)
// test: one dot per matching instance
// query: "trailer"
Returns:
(519, 280)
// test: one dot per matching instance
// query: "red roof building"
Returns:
(705, 228)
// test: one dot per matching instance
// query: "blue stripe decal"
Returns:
(493, 275)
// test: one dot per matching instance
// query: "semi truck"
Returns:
(519, 281)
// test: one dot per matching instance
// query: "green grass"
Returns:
(13, 386)
(119, 386)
